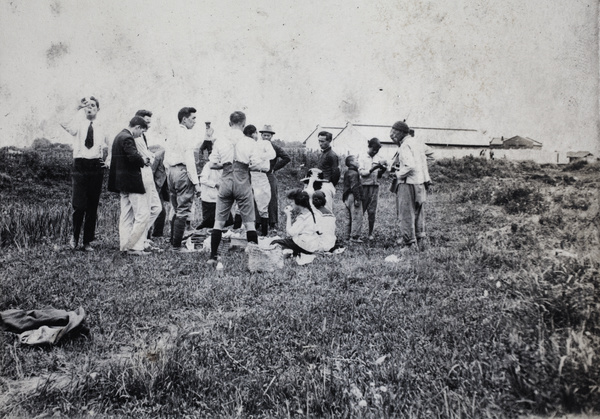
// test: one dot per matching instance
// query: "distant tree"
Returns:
(41, 144)
(294, 144)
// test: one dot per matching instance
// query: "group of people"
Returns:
(237, 184)
(360, 193)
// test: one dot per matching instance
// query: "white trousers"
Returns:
(133, 222)
(329, 191)
(261, 189)
(153, 198)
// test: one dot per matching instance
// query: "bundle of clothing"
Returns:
(45, 326)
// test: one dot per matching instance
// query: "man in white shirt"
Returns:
(89, 145)
(411, 175)
(371, 168)
(233, 153)
(182, 175)
(259, 167)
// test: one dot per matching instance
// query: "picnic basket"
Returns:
(264, 259)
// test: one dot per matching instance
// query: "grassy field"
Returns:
(499, 317)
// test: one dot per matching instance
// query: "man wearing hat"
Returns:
(279, 162)
(410, 174)
(329, 164)
(259, 166)
(371, 168)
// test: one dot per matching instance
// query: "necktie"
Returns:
(89, 139)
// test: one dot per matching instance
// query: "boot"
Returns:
(178, 230)
(237, 221)
(264, 226)
(252, 237)
(172, 229)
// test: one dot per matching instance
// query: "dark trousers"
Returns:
(159, 224)
(208, 216)
(273, 203)
(88, 175)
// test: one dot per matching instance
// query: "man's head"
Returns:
(250, 131)
(237, 120)
(373, 146)
(400, 130)
(267, 132)
(187, 117)
(147, 115)
(325, 140)
(91, 105)
(137, 126)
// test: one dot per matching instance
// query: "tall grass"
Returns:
(488, 322)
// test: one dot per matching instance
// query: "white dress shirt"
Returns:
(78, 128)
(234, 146)
(264, 153)
(180, 150)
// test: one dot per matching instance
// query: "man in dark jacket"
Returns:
(329, 164)
(279, 162)
(125, 177)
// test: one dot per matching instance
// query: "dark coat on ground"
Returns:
(125, 173)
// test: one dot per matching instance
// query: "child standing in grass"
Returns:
(352, 197)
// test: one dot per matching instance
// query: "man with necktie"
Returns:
(89, 145)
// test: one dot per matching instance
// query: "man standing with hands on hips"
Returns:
(89, 144)
(280, 160)
(233, 153)
(182, 174)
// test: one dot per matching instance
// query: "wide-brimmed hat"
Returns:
(315, 174)
(267, 128)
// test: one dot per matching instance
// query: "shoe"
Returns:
(371, 237)
(72, 243)
(153, 249)
(287, 253)
(88, 248)
(138, 253)
(215, 263)
(182, 249)
(356, 241)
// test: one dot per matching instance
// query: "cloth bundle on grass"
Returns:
(46, 326)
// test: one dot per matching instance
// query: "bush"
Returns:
(576, 165)
(520, 198)
(468, 168)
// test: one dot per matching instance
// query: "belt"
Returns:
(259, 170)
(178, 164)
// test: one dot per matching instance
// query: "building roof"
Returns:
(518, 138)
(579, 154)
(434, 137)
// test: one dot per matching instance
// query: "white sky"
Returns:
(509, 68)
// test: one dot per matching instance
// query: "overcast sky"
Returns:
(508, 68)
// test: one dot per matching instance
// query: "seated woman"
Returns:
(325, 222)
(304, 237)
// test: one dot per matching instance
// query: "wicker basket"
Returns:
(261, 259)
